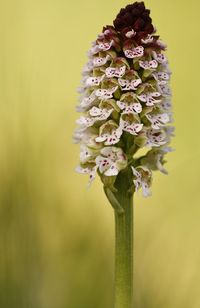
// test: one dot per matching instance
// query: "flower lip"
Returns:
(135, 16)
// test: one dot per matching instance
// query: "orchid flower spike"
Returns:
(125, 102)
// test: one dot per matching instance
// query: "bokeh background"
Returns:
(56, 237)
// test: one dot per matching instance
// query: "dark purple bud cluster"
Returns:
(134, 16)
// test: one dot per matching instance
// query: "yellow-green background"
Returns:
(56, 237)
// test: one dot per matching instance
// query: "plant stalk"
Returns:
(124, 244)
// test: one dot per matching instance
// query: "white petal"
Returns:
(92, 175)
(158, 120)
(137, 107)
(142, 97)
(166, 105)
(85, 154)
(160, 57)
(100, 139)
(163, 118)
(137, 184)
(105, 94)
(130, 34)
(148, 64)
(145, 189)
(100, 114)
(107, 151)
(163, 75)
(131, 128)
(153, 64)
(165, 90)
(82, 170)
(103, 164)
(151, 98)
(112, 171)
(105, 114)
(84, 121)
(94, 50)
(95, 111)
(135, 52)
(105, 46)
(156, 138)
(99, 61)
(114, 137)
(87, 101)
(94, 81)
(115, 72)
(129, 85)
(87, 68)
(135, 172)
(121, 105)
(148, 39)
(133, 108)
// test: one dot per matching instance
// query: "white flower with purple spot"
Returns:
(127, 85)
(94, 81)
(90, 170)
(87, 101)
(111, 161)
(142, 179)
(161, 77)
(135, 52)
(109, 133)
(158, 120)
(154, 159)
(148, 65)
(115, 71)
(159, 57)
(99, 61)
(105, 94)
(87, 155)
(100, 114)
(150, 98)
(164, 89)
(131, 123)
(156, 138)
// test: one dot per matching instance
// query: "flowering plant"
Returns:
(126, 105)
(125, 98)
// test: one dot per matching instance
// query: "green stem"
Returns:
(124, 244)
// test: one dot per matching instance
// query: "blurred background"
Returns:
(57, 237)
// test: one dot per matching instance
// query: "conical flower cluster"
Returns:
(125, 102)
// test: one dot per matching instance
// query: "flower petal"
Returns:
(133, 128)
(148, 65)
(135, 52)
(129, 84)
(147, 40)
(104, 46)
(105, 94)
(85, 121)
(159, 57)
(112, 171)
(115, 71)
(149, 98)
(158, 120)
(133, 108)
(99, 61)
(86, 102)
(94, 81)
